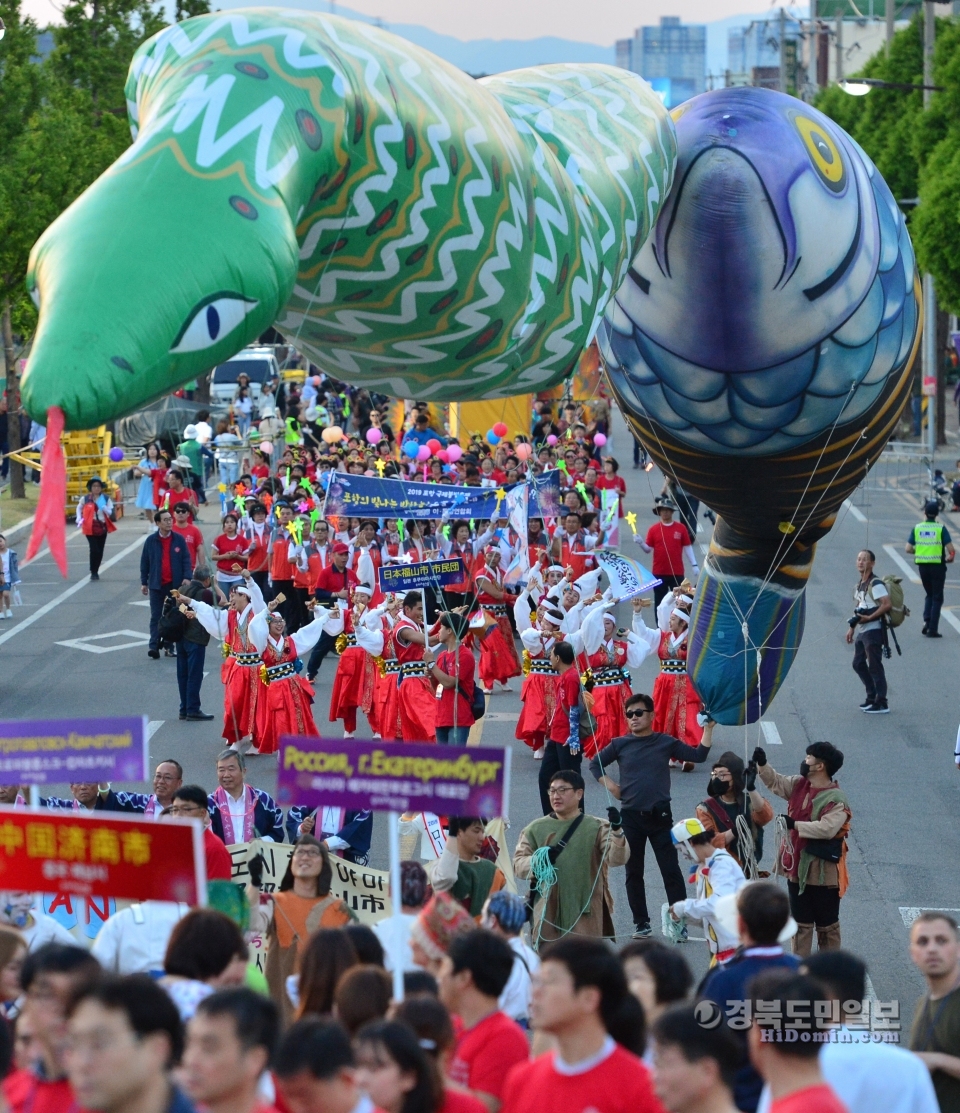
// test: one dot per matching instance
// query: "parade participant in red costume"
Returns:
(281, 570)
(310, 558)
(240, 669)
(359, 642)
(260, 536)
(386, 695)
(572, 545)
(365, 547)
(610, 654)
(285, 703)
(415, 696)
(676, 704)
(498, 656)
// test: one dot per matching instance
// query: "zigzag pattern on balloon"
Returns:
(405, 226)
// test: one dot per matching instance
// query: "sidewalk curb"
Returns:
(19, 526)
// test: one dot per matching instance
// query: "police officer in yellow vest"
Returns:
(932, 552)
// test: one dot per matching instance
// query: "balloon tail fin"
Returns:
(49, 523)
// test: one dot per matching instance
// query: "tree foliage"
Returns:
(917, 151)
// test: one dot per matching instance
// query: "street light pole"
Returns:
(783, 51)
(888, 11)
(839, 45)
(929, 355)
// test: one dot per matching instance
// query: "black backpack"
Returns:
(173, 622)
(478, 705)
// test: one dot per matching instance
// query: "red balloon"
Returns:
(443, 456)
(434, 445)
(500, 429)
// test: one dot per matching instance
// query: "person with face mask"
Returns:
(37, 928)
(732, 793)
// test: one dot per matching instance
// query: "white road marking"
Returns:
(770, 733)
(136, 640)
(947, 613)
(855, 511)
(704, 548)
(906, 569)
(502, 716)
(65, 595)
(871, 993)
(139, 603)
(153, 726)
(908, 915)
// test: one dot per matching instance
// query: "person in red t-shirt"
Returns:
(230, 1040)
(581, 998)
(670, 542)
(190, 802)
(183, 524)
(562, 748)
(230, 551)
(473, 974)
(314, 1068)
(791, 1068)
(694, 1067)
(430, 1019)
(454, 670)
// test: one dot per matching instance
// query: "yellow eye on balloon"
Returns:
(823, 152)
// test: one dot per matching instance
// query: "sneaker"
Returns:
(643, 931)
(94, 576)
(8, 613)
(688, 767)
(878, 708)
(538, 754)
(924, 631)
(934, 634)
(168, 652)
(866, 703)
(154, 653)
(3, 614)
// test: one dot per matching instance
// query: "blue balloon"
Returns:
(410, 448)
(492, 437)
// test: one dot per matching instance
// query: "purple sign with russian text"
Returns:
(65, 751)
(394, 776)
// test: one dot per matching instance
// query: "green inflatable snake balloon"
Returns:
(407, 227)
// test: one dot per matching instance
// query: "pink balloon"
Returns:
(443, 456)
(316, 380)
(423, 453)
(523, 451)
(551, 440)
(267, 447)
(454, 452)
(599, 440)
(374, 435)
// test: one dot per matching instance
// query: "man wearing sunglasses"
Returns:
(644, 756)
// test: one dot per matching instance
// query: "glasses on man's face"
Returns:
(558, 791)
(638, 712)
(187, 809)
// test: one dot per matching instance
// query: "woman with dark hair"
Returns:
(206, 952)
(429, 1018)
(393, 1069)
(94, 519)
(581, 998)
(362, 996)
(658, 975)
(302, 904)
(326, 957)
(230, 550)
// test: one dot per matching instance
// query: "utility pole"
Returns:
(839, 46)
(888, 10)
(930, 354)
(813, 58)
(783, 51)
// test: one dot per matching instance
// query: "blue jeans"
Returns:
(229, 472)
(452, 736)
(190, 658)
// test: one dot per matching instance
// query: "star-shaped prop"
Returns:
(632, 521)
(381, 467)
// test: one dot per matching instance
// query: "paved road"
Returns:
(898, 773)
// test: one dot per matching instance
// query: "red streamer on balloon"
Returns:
(49, 522)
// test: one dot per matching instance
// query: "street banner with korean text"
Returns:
(393, 776)
(364, 496)
(65, 751)
(101, 854)
(427, 573)
(627, 577)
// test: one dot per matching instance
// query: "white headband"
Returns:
(682, 615)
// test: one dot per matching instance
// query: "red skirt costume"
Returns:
(498, 655)
(537, 695)
(675, 703)
(611, 686)
(240, 673)
(285, 703)
(416, 700)
(355, 681)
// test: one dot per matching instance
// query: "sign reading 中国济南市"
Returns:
(359, 496)
(627, 577)
(427, 573)
(101, 854)
(55, 751)
(393, 776)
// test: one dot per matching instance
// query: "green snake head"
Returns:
(405, 226)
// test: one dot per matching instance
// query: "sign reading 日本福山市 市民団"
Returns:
(59, 751)
(363, 496)
(393, 776)
(427, 573)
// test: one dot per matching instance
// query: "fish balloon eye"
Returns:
(823, 152)
(212, 320)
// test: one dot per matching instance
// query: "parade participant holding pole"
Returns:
(281, 570)
(453, 670)
(386, 697)
(240, 669)
(359, 642)
(610, 654)
(498, 656)
(167, 778)
(333, 588)
(345, 833)
(730, 790)
(415, 694)
(564, 746)
(285, 704)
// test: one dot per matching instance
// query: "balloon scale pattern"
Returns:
(407, 227)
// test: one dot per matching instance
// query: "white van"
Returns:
(258, 364)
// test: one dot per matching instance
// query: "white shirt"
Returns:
(868, 1077)
(134, 940)
(5, 566)
(515, 999)
(45, 929)
(394, 932)
(238, 809)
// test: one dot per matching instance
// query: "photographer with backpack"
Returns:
(867, 632)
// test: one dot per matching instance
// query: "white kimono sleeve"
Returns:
(591, 626)
(637, 651)
(650, 638)
(370, 640)
(308, 636)
(530, 639)
(667, 603)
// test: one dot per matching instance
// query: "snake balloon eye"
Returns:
(213, 319)
(823, 153)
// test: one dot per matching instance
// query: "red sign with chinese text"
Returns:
(101, 854)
